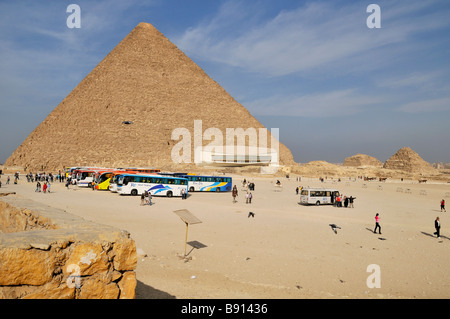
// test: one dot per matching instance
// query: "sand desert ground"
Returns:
(287, 250)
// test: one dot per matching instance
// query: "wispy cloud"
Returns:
(425, 106)
(328, 104)
(314, 35)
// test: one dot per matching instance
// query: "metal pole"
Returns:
(185, 241)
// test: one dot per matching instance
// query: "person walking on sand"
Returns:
(44, 188)
(234, 193)
(443, 205)
(150, 198)
(38, 187)
(377, 224)
(250, 196)
(437, 226)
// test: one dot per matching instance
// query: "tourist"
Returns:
(377, 224)
(246, 198)
(443, 205)
(38, 187)
(350, 200)
(150, 198)
(345, 201)
(234, 193)
(48, 187)
(250, 196)
(437, 226)
(145, 197)
(183, 194)
(7, 180)
(142, 199)
(44, 188)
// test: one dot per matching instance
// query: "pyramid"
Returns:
(362, 160)
(409, 161)
(124, 111)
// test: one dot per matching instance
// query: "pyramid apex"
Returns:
(145, 25)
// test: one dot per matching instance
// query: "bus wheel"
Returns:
(217, 189)
(191, 189)
(317, 203)
(134, 192)
(169, 194)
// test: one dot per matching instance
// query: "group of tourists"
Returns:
(45, 177)
(45, 188)
(146, 198)
(344, 200)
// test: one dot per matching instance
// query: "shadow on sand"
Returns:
(431, 235)
(144, 291)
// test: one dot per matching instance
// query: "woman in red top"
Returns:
(443, 205)
(377, 224)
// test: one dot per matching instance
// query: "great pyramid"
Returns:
(409, 161)
(124, 111)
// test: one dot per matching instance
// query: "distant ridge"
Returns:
(124, 111)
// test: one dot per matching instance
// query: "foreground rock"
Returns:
(47, 253)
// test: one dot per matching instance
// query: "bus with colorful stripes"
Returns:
(102, 180)
(201, 183)
(157, 185)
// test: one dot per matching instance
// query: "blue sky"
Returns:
(313, 69)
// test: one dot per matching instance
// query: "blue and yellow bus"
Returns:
(200, 183)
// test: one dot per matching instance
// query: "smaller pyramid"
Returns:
(409, 161)
(358, 160)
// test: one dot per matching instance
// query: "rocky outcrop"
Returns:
(46, 253)
(409, 161)
(360, 160)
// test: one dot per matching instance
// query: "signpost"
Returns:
(189, 219)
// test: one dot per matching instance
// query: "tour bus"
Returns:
(102, 179)
(318, 196)
(113, 182)
(208, 183)
(158, 185)
(143, 170)
(85, 178)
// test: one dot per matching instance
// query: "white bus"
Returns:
(158, 185)
(199, 183)
(318, 196)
